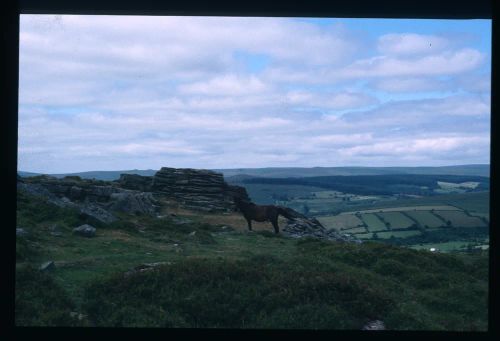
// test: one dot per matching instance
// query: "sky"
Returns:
(145, 92)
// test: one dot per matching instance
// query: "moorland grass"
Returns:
(217, 277)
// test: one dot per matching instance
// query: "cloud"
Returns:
(121, 92)
(411, 44)
(436, 146)
(342, 100)
(412, 85)
(446, 63)
(227, 85)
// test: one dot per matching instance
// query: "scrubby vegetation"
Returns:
(217, 276)
(325, 286)
(40, 301)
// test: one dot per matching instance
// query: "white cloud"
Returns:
(111, 92)
(411, 44)
(342, 100)
(446, 63)
(410, 84)
(227, 85)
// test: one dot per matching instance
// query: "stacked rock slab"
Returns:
(197, 189)
(299, 226)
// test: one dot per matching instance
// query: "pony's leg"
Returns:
(275, 225)
(249, 221)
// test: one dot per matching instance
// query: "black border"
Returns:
(424, 9)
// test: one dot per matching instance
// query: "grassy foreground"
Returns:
(218, 276)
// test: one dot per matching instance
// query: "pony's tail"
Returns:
(286, 213)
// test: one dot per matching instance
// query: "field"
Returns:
(361, 215)
(467, 214)
(408, 208)
(396, 220)
(373, 223)
(459, 218)
(341, 222)
(426, 218)
(444, 247)
(397, 234)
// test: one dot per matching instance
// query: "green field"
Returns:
(426, 218)
(373, 223)
(356, 230)
(472, 202)
(340, 222)
(444, 247)
(398, 234)
(407, 208)
(365, 235)
(459, 218)
(396, 220)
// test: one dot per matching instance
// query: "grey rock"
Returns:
(145, 267)
(136, 182)
(374, 325)
(20, 232)
(200, 190)
(77, 315)
(97, 212)
(134, 202)
(47, 266)
(85, 230)
(299, 226)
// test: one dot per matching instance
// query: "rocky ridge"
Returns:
(196, 189)
(98, 199)
(199, 190)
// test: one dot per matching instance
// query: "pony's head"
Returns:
(239, 203)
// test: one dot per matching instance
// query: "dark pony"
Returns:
(260, 213)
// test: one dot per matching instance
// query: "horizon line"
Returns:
(276, 167)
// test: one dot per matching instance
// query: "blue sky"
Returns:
(121, 92)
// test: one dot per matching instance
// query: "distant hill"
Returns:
(296, 172)
(412, 184)
(237, 174)
(98, 175)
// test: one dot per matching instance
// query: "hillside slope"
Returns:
(192, 269)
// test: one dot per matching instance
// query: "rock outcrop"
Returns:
(94, 198)
(136, 182)
(85, 231)
(202, 190)
(374, 325)
(299, 226)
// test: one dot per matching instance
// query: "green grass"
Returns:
(335, 286)
(224, 278)
(459, 218)
(473, 202)
(373, 223)
(340, 222)
(40, 301)
(425, 218)
(396, 220)
(398, 234)
(446, 246)
(356, 230)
